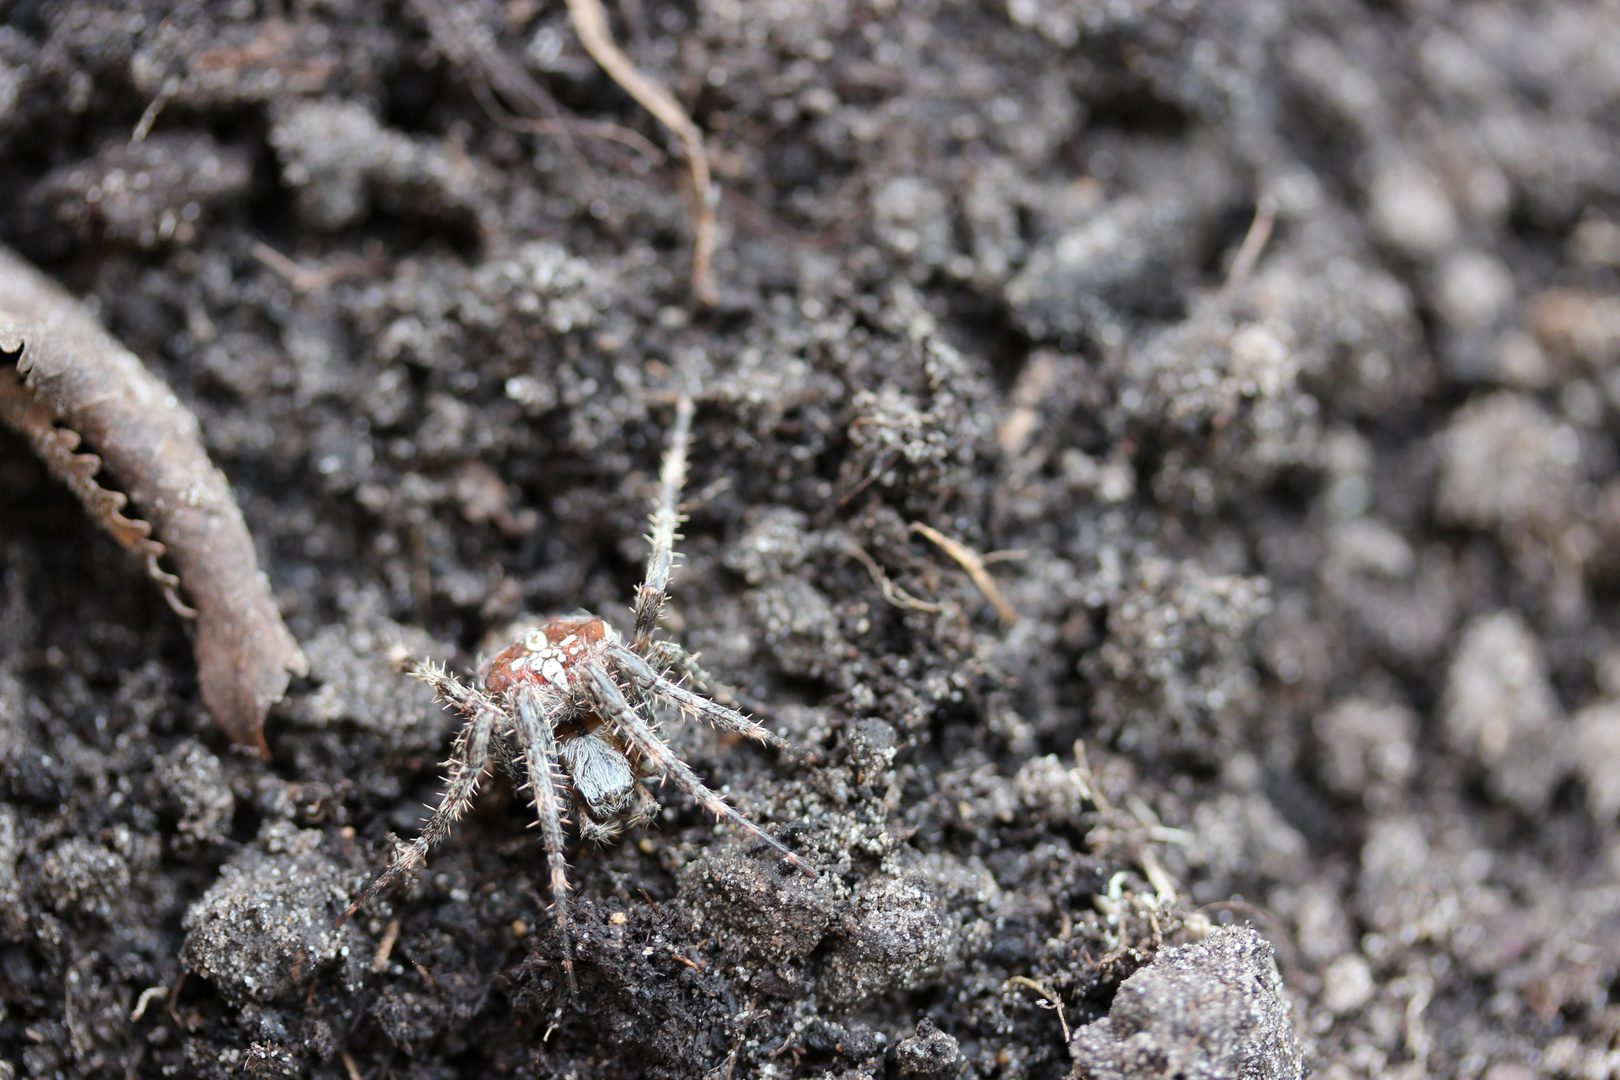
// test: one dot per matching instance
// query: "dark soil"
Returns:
(1314, 566)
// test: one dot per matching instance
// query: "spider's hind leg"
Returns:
(665, 518)
(658, 755)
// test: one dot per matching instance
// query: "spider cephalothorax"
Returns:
(570, 710)
(550, 659)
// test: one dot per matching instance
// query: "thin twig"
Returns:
(349, 1066)
(893, 593)
(304, 280)
(974, 565)
(171, 1004)
(150, 994)
(1254, 242)
(1163, 887)
(300, 279)
(688, 961)
(591, 24)
(385, 947)
(143, 128)
(461, 37)
(556, 128)
(1052, 999)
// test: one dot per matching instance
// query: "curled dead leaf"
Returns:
(64, 379)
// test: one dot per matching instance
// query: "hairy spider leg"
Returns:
(713, 713)
(681, 668)
(666, 657)
(665, 517)
(657, 753)
(466, 764)
(539, 744)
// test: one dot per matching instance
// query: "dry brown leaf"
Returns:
(65, 378)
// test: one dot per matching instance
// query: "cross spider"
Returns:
(569, 710)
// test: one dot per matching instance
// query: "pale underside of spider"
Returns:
(570, 711)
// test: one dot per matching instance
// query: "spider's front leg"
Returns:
(665, 518)
(467, 763)
(680, 666)
(649, 681)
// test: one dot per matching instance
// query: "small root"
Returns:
(1164, 888)
(688, 961)
(1094, 790)
(1023, 417)
(591, 24)
(973, 563)
(149, 995)
(459, 36)
(1052, 1001)
(893, 593)
(1254, 242)
(559, 127)
(143, 127)
(385, 948)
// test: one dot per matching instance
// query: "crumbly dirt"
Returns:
(1312, 554)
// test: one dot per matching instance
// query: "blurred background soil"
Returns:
(1311, 559)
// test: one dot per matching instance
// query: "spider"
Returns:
(569, 710)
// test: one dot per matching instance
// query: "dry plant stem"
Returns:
(299, 278)
(558, 128)
(591, 24)
(893, 593)
(72, 380)
(1023, 415)
(1052, 1000)
(974, 565)
(306, 280)
(1254, 242)
(385, 947)
(462, 38)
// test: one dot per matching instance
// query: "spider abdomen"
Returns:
(547, 654)
(610, 794)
